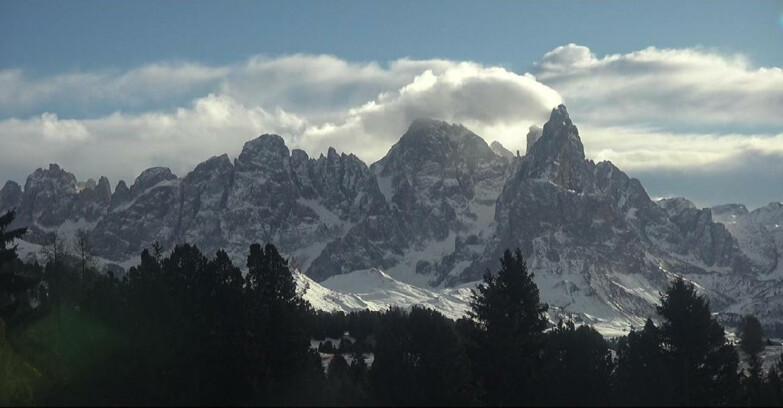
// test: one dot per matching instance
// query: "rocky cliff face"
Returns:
(268, 194)
(596, 241)
(438, 210)
(439, 184)
(53, 200)
(759, 234)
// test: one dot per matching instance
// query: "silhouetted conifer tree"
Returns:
(511, 320)
(279, 342)
(642, 377)
(12, 284)
(419, 361)
(702, 365)
(579, 358)
(751, 337)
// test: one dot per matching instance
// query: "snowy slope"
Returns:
(375, 290)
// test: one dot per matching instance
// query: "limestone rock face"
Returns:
(596, 241)
(533, 134)
(759, 234)
(437, 210)
(10, 196)
(53, 201)
(501, 150)
(438, 183)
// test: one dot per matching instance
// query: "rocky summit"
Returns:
(437, 211)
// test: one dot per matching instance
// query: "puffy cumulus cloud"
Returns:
(669, 88)
(312, 101)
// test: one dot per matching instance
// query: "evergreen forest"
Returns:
(188, 328)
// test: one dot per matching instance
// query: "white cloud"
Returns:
(57, 130)
(688, 122)
(672, 88)
(679, 111)
(313, 101)
(634, 148)
(481, 98)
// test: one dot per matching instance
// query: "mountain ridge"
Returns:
(437, 210)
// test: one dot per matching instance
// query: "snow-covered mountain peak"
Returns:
(151, 177)
(728, 212)
(439, 209)
(214, 162)
(423, 126)
(103, 189)
(267, 141)
(558, 155)
(332, 154)
(501, 150)
(428, 132)
(430, 142)
(10, 195)
(675, 205)
(559, 139)
(437, 183)
(54, 176)
(121, 192)
(560, 117)
(266, 152)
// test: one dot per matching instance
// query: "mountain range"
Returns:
(425, 222)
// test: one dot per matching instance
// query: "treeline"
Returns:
(186, 329)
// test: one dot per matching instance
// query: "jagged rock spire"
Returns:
(558, 155)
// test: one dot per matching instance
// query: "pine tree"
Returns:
(326, 347)
(419, 361)
(338, 381)
(361, 380)
(11, 284)
(773, 389)
(511, 320)
(752, 343)
(85, 256)
(509, 303)
(702, 365)
(7, 237)
(579, 357)
(57, 269)
(277, 319)
(641, 377)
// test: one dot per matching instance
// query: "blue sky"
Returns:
(685, 96)
(49, 37)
